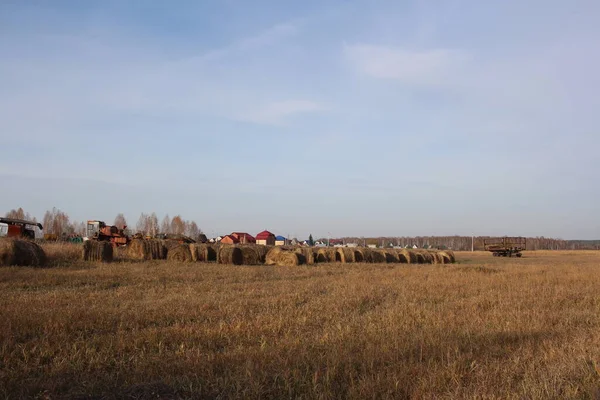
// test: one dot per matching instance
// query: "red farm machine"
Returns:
(505, 246)
(10, 227)
(98, 230)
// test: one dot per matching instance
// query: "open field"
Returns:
(483, 328)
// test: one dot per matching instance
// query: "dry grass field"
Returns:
(485, 327)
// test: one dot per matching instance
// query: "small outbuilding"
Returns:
(280, 241)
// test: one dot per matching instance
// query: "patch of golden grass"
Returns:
(62, 254)
(484, 328)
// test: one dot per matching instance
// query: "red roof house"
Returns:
(243, 237)
(265, 238)
(229, 239)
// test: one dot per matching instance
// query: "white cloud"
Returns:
(269, 36)
(275, 113)
(429, 67)
(265, 38)
(82, 81)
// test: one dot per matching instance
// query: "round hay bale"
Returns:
(327, 254)
(426, 256)
(282, 257)
(230, 255)
(406, 256)
(254, 254)
(181, 253)
(450, 255)
(322, 256)
(272, 257)
(288, 259)
(378, 257)
(203, 252)
(307, 255)
(22, 253)
(272, 254)
(389, 255)
(445, 257)
(196, 253)
(94, 250)
(211, 253)
(420, 258)
(364, 252)
(262, 252)
(344, 255)
(360, 255)
(120, 253)
(171, 244)
(146, 249)
(250, 255)
(158, 250)
(436, 258)
(135, 249)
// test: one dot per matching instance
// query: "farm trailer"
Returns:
(505, 246)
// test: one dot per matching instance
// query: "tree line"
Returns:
(465, 243)
(57, 222)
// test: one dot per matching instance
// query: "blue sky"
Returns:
(326, 117)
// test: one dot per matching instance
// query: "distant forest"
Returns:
(463, 243)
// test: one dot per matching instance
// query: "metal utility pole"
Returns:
(472, 243)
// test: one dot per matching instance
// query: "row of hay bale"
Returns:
(368, 255)
(150, 249)
(27, 253)
(284, 256)
(145, 250)
(142, 250)
(155, 249)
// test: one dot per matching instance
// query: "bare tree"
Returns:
(177, 225)
(153, 225)
(120, 221)
(191, 229)
(78, 228)
(165, 226)
(57, 222)
(18, 214)
(142, 224)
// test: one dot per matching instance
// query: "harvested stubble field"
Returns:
(482, 328)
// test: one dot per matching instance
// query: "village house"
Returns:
(243, 237)
(280, 241)
(229, 239)
(265, 238)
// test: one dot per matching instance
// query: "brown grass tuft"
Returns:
(61, 254)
